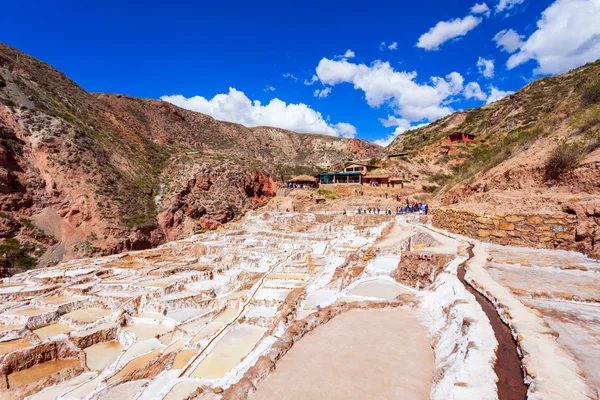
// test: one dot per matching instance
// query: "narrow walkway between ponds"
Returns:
(361, 354)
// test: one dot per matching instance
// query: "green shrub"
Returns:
(591, 94)
(15, 254)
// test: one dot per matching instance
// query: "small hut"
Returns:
(303, 181)
(396, 182)
(379, 177)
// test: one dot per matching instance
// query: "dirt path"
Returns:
(383, 354)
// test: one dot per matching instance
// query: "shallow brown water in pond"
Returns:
(508, 364)
(14, 345)
(182, 358)
(40, 371)
(134, 364)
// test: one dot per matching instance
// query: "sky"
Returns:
(367, 70)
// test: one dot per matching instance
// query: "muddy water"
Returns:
(508, 364)
(14, 345)
(39, 371)
(101, 355)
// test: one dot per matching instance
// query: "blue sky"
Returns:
(312, 66)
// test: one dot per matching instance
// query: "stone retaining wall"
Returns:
(554, 231)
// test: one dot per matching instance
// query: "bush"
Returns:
(15, 254)
(429, 188)
(562, 159)
(591, 94)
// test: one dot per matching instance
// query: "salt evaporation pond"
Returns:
(6, 328)
(144, 331)
(209, 330)
(134, 364)
(227, 315)
(374, 354)
(29, 311)
(60, 300)
(186, 313)
(87, 315)
(101, 355)
(235, 345)
(182, 390)
(378, 288)
(320, 299)
(261, 311)
(61, 388)
(183, 357)
(39, 371)
(52, 330)
(14, 345)
(272, 294)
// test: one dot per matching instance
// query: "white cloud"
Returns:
(393, 46)
(321, 93)
(394, 121)
(509, 40)
(381, 84)
(486, 67)
(288, 75)
(348, 54)
(398, 131)
(345, 130)
(568, 36)
(446, 30)
(507, 4)
(473, 90)
(311, 81)
(382, 46)
(386, 141)
(481, 9)
(236, 107)
(269, 89)
(497, 94)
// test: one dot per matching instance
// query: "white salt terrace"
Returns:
(215, 303)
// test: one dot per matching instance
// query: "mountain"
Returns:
(91, 173)
(536, 151)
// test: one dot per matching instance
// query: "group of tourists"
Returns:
(372, 210)
(290, 185)
(410, 207)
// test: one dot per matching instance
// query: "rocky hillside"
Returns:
(537, 150)
(84, 173)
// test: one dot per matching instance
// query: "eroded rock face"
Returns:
(419, 269)
(211, 192)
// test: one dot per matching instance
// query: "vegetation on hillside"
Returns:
(564, 108)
